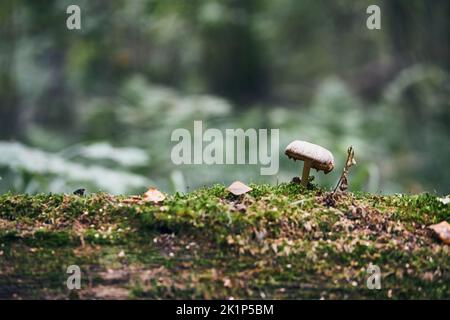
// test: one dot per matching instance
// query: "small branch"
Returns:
(343, 180)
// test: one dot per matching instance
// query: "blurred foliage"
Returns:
(96, 107)
(32, 170)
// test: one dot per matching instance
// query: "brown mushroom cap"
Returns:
(321, 158)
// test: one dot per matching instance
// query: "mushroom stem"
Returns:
(305, 174)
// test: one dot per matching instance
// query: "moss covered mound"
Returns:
(280, 242)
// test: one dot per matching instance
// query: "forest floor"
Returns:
(275, 242)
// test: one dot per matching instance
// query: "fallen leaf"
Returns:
(154, 195)
(442, 230)
(237, 188)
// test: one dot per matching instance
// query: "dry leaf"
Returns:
(237, 188)
(154, 195)
(442, 230)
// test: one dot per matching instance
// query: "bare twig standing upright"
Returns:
(343, 180)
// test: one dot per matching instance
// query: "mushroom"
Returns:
(314, 156)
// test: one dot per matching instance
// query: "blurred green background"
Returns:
(95, 107)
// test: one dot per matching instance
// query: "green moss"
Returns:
(276, 241)
(51, 239)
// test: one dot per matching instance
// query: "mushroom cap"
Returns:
(237, 188)
(321, 158)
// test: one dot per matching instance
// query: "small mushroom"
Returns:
(238, 188)
(314, 156)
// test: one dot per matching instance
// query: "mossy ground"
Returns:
(276, 242)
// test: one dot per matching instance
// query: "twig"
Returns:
(343, 180)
